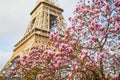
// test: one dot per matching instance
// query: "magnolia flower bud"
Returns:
(94, 38)
(101, 28)
(92, 28)
(85, 52)
(101, 56)
(17, 61)
(25, 57)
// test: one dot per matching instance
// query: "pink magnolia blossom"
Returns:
(25, 57)
(116, 76)
(83, 57)
(57, 54)
(101, 56)
(117, 25)
(85, 52)
(76, 67)
(52, 35)
(59, 62)
(69, 74)
(107, 75)
(69, 49)
(17, 61)
(94, 38)
(72, 42)
(88, 63)
(57, 65)
(101, 28)
(74, 63)
(92, 28)
(50, 53)
(77, 28)
(68, 29)
(83, 23)
(36, 57)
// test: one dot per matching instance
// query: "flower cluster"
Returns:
(89, 49)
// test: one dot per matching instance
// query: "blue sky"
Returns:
(14, 18)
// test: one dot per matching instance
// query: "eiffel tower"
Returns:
(38, 30)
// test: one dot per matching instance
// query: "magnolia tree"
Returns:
(89, 49)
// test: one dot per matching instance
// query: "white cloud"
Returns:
(14, 16)
(4, 56)
(68, 6)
